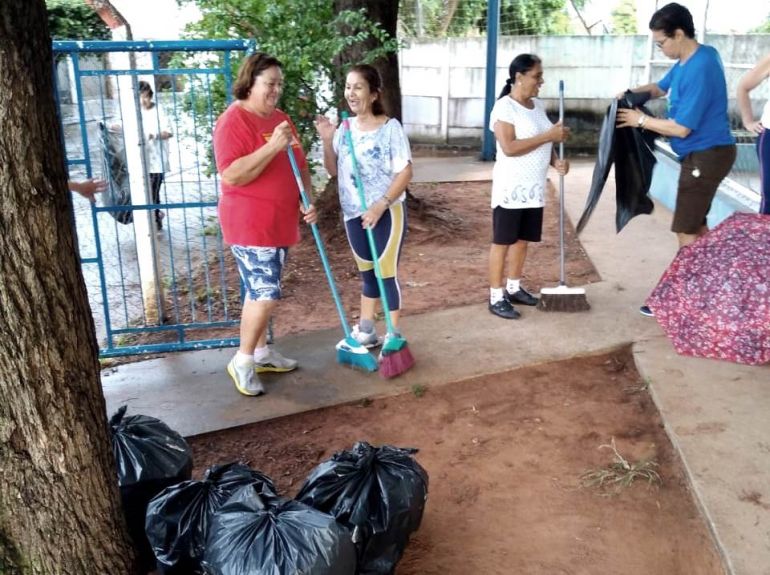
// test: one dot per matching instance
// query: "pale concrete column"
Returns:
(146, 241)
(71, 80)
(447, 85)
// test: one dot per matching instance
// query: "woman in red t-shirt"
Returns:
(259, 207)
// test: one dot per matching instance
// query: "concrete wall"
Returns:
(443, 81)
(92, 87)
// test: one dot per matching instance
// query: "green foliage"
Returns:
(529, 17)
(74, 20)
(211, 230)
(763, 28)
(418, 390)
(435, 18)
(624, 18)
(307, 36)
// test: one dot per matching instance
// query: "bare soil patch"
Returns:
(444, 264)
(505, 454)
(444, 261)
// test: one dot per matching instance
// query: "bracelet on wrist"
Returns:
(641, 121)
(387, 201)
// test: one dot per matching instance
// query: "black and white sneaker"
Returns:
(522, 296)
(646, 311)
(504, 309)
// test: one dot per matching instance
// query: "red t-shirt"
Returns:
(264, 212)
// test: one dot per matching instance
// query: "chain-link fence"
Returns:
(468, 18)
(598, 47)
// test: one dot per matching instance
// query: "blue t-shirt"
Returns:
(697, 93)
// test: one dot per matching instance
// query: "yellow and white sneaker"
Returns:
(246, 381)
(274, 362)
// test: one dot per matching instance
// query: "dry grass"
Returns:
(621, 473)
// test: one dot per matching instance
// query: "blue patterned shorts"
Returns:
(260, 270)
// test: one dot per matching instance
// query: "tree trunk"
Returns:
(447, 20)
(59, 504)
(386, 13)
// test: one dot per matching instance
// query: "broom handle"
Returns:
(369, 234)
(562, 275)
(320, 245)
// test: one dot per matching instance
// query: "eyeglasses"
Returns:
(660, 43)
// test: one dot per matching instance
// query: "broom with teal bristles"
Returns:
(395, 357)
(349, 351)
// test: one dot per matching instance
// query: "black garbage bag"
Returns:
(631, 150)
(150, 456)
(115, 170)
(260, 534)
(178, 519)
(378, 493)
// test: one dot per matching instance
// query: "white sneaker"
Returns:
(367, 339)
(246, 381)
(274, 361)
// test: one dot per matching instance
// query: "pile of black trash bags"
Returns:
(353, 515)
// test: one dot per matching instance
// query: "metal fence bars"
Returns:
(152, 254)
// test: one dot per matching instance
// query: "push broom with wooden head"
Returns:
(562, 298)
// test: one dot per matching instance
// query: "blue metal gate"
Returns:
(153, 287)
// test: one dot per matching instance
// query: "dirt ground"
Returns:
(505, 455)
(444, 264)
(444, 261)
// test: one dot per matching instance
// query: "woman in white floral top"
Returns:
(385, 165)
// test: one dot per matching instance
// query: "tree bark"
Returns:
(386, 13)
(580, 17)
(447, 20)
(59, 504)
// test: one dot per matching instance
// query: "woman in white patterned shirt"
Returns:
(385, 165)
(525, 138)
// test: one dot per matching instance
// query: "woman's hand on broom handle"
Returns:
(561, 166)
(372, 215)
(309, 213)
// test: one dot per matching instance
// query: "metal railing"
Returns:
(152, 287)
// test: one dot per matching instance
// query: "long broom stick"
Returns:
(562, 298)
(349, 351)
(395, 357)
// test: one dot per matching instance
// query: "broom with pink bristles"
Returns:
(395, 357)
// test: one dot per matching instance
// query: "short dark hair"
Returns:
(372, 77)
(145, 88)
(673, 17)
(521, 64)
(250, 68)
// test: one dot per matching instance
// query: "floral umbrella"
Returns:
(714, 299)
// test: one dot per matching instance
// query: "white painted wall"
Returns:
(443, 81)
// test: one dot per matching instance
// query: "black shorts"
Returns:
(510, 226)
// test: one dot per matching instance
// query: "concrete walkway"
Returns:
(716, 413)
